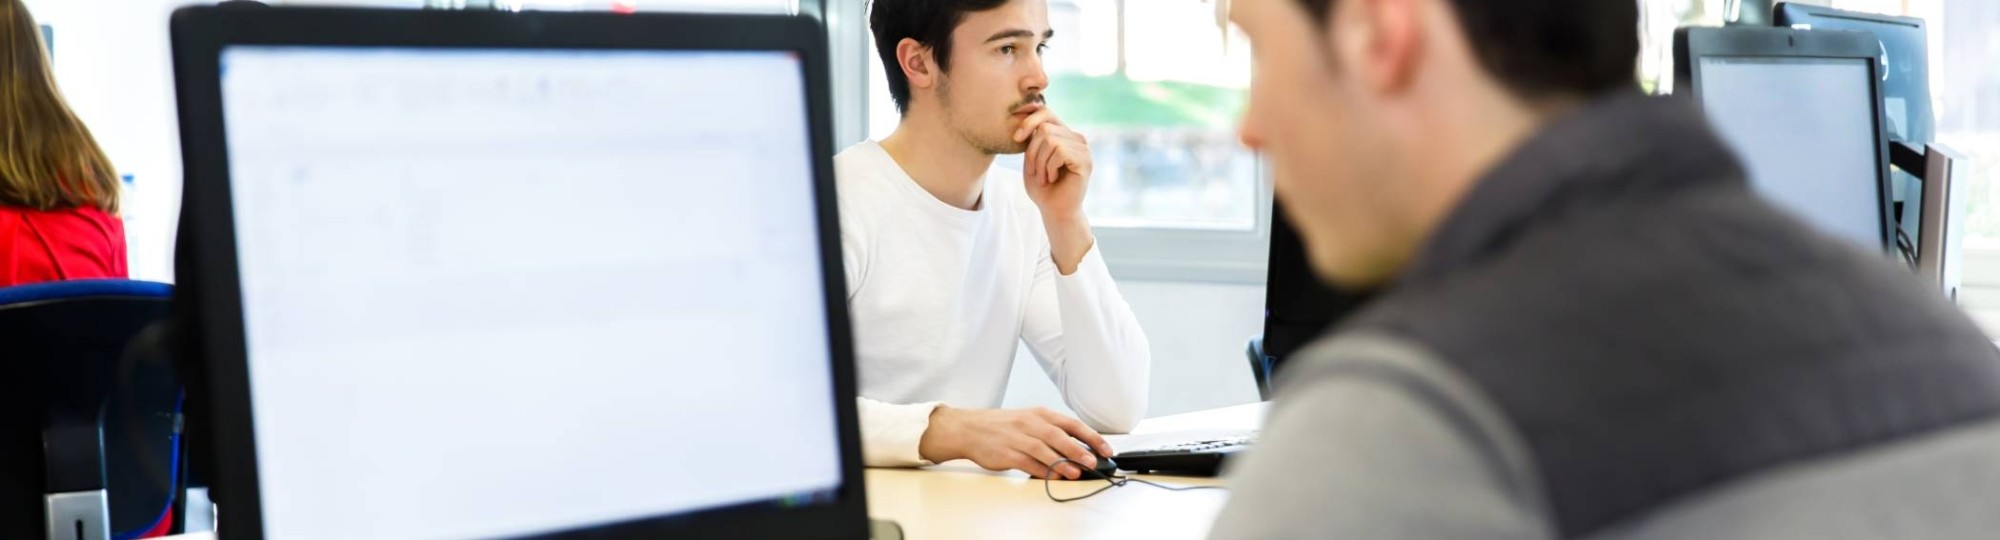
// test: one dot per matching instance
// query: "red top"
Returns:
(59, 245)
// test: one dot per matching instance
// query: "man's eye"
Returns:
(1041, 48)
(1007, 49)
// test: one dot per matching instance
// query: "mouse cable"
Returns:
(1111, 481)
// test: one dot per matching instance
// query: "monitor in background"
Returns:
(502, 275)
(49, 40)
(1801, 110)
(1297, 306)
(1903, 62)
(1906, 85)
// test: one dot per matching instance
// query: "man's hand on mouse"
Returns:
(1027, 440)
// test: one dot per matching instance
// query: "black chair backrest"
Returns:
(68, 397)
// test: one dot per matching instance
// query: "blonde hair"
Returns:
(48, 160)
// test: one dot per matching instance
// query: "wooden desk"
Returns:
(958, 500)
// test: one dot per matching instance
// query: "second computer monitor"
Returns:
(1801, 109)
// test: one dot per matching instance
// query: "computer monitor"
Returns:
(49, 40)
(1298, 307)
(1802, 111)
(1906, 85)
(1903, 62)
(478, 275)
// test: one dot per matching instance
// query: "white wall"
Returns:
(1198, 333)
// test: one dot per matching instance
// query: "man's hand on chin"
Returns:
(1056, 168)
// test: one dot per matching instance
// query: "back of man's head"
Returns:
(1545, 48)
(929, 22)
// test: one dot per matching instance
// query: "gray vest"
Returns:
(1652, 328)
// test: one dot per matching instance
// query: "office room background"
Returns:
(1180, 209)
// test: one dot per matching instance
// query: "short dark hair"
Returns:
(1546, 48)
(930, 22)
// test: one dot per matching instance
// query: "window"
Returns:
(1157, 87)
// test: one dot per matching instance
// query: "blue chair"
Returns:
(73, 395)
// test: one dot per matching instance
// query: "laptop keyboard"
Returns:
(1196, 446)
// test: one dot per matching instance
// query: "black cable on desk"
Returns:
(1113, 481)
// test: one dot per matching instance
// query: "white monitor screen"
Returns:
(506, 292)
(1806, 130)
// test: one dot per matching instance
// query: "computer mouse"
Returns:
(1105, 469)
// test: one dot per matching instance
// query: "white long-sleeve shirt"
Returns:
(940, 296)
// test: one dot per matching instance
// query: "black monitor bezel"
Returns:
(1816, 18)
(1787, 14)
(199, 35)
(1696, 43)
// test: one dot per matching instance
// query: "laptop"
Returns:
(535, 275)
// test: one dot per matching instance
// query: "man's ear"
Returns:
(1382, 41)
(918, 65)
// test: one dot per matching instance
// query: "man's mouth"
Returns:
(1033, 104)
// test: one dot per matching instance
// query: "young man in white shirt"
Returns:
(951, 262)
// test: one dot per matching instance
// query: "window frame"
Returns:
(1980, 270)
(846, 24)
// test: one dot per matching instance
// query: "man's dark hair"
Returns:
(930, 22)
(1547, 48)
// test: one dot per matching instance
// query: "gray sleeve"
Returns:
(1352, 454)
